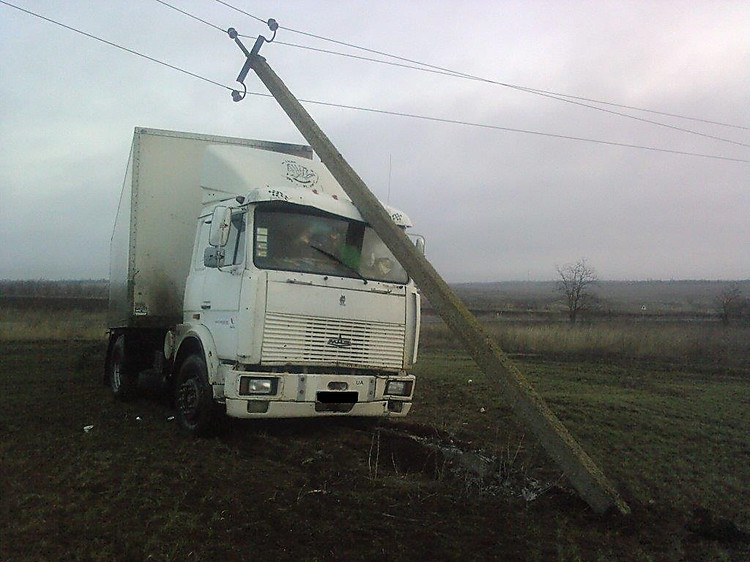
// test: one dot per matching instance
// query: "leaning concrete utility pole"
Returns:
(527, 405)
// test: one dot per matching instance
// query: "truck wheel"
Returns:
(122, 381)
(196, 411)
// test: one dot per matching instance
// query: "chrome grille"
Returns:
(312, 340)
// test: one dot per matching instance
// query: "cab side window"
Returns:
(235, 249)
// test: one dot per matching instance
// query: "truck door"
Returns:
(221, 289)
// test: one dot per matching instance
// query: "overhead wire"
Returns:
(665, 113)
(524, 131)
(554, 95)
(451, 73)
(373, 110)
(188, 14)
(235, 8)
(446, 72)
(115, 45)
(560, 97)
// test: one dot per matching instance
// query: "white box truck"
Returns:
(242, 274)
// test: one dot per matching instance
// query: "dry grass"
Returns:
(696, 343)
(29, 324)
(45, 288)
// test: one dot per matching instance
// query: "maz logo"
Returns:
(339, 342)
(299, 174)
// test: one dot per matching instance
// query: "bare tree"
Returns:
(576, 284)
(730, 302)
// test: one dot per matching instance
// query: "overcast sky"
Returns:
(494, 205)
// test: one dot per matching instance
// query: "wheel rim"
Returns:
(187, 400)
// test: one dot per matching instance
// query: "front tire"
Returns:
(122, 380)
(196, 409)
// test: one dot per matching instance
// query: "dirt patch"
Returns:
(406, 449)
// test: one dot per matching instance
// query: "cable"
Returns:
(111, 44)
(524, 131)
(675, 115)
(208, 23)
(446, 72)
(545, 93)
(520, 88)
(381, 111)
(636, 118)
(241, 11)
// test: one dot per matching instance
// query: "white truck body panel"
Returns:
(152, 241)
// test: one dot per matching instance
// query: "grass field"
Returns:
(83, 477)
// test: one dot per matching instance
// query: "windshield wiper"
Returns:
(338, 260)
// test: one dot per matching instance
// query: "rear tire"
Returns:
(196, 410)
(122, 380)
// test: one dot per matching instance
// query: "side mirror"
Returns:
(213, 257)
(220, 224)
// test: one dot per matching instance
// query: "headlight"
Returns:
(398, 388)
(254, 385)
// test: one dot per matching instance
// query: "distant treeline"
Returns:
(678, 299)
(66, 289)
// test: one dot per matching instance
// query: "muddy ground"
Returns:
(86, 478)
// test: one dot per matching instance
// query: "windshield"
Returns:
(301, 239)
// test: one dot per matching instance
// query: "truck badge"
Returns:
(299, 174)
(339, 342)
(342, 300)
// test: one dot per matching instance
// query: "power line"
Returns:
(188, 14)
(554, 95)
(241, 11)
(524, 131)
(545, 93)
(442, 71)
(115, 45)
(558, 97)
(455, 74)
(508, 129)
(665, 113)
(381, 111)
(636, 118)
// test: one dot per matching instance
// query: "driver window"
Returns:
(235, 249)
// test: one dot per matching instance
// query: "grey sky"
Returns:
(493, 205)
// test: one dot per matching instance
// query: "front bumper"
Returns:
(279, 409)
(317, 395)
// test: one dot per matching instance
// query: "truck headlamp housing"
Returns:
(398, 388)
(258, 385)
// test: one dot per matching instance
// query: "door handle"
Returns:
(206, 306)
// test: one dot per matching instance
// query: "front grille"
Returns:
(292, 339)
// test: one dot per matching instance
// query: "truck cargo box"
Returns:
(155, 225)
